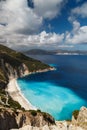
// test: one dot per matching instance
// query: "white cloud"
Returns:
(20, 23)
(42, 40)
(46, 38)
(19, 17)
(78, 35)
(49, 8)
(76, 27)
(80, 10)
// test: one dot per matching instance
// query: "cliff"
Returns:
(10, 118)
(15, 64)
(13, 119)
(81, 119)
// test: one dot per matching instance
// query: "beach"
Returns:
(16, 94)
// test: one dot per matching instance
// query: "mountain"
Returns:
(13, 65)
(55, 52)
(16, 64)
(38, 52)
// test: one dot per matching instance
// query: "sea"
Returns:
(61, 91)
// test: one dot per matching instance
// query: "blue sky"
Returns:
(50, 24)
(61, 23)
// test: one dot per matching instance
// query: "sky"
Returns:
(40, 24)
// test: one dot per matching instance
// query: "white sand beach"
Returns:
(16, 94)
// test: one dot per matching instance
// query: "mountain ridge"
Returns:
(54, 52)
(18, 64)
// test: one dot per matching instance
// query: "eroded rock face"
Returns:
(82, 118)
(36, 120)
(21, 71)
(17, 119)
(7, 120)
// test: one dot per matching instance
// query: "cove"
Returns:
(56, 92)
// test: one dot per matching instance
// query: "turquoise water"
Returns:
(52, 99)
(51, 92)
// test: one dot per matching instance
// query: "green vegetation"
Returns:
(2, 92)
(10, 102)
(3, 99)
(48, 118)
(33, 112)
(11, 61)
(14, 104)
(15, 60)
(39, 111)
(75, 114)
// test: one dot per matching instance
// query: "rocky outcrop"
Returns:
(15, 64)
(81, 119)
(62, 125)
(21, 71)
(7, 119)
(13, 72)
(10, 118)
(36, 120)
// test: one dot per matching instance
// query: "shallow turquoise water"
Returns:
(58, 92)
(56, 100)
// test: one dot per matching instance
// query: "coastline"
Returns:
(14, 91)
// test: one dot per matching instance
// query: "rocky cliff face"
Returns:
(79, 122)
(81, 118)
(12, 72)
(11, 119)
(16, 119)
(15, 64)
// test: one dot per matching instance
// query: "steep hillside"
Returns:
(16, 64)
(13, 65)
(10, 118)
(39, 52)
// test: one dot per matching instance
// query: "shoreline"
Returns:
(15, 92)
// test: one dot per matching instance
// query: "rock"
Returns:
(74, 127)
(7, 120)
(10, 119)
(82, 118)
(35, 120)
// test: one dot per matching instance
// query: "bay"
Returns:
(58, 92)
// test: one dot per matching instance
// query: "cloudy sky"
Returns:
(50, 24)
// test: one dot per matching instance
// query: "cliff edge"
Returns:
(15, 64)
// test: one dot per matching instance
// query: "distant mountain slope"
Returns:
(16, 64)
(54, 52)
(38, 52)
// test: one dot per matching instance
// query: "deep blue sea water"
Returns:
(61, 91)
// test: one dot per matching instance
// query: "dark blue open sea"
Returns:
(58, 92)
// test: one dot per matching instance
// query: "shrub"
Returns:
(75, 114)
(14, 104)
(39, 111)
(48, 118)
(3, 99)
(33, 112)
